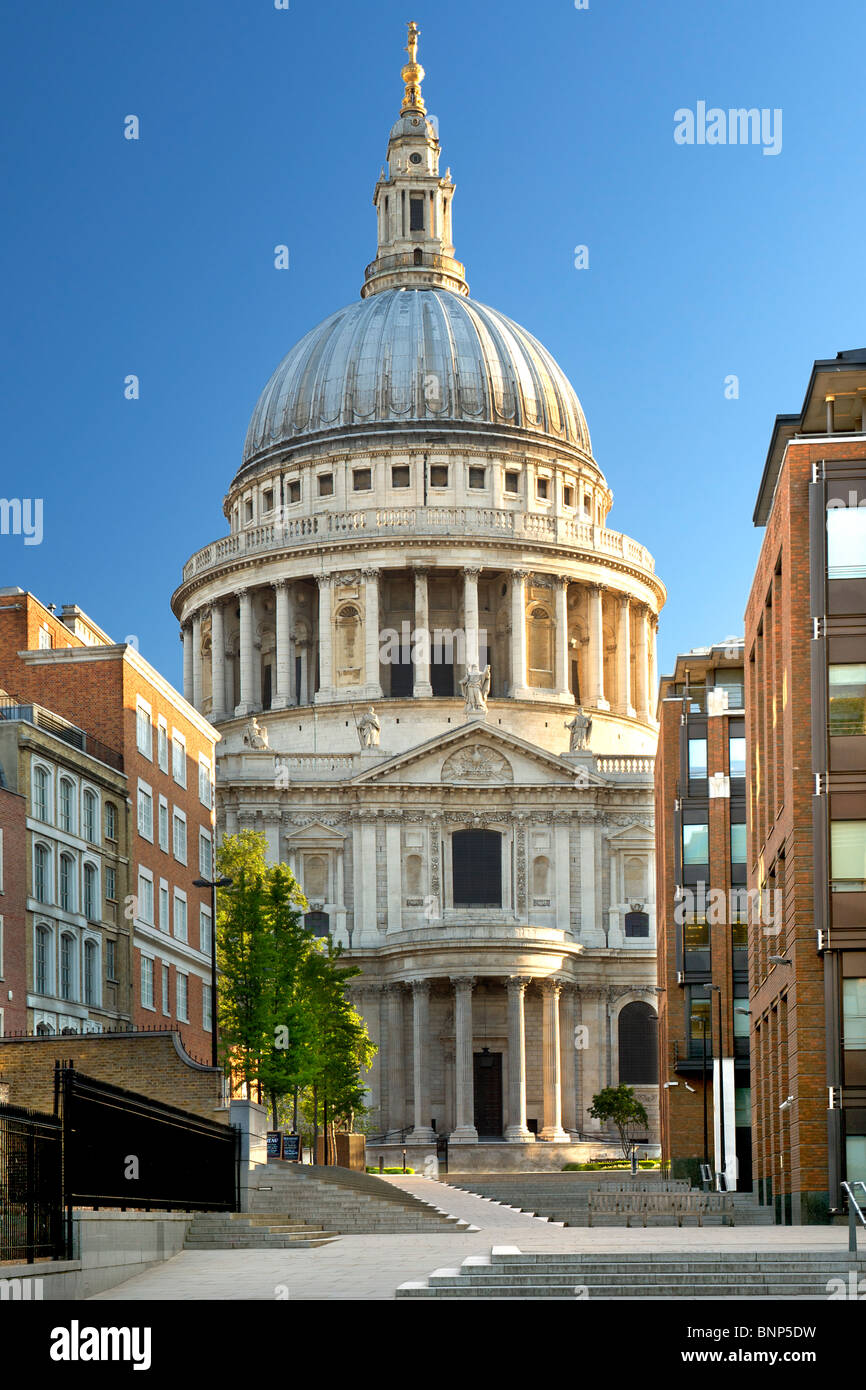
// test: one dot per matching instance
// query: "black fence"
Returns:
(33, 1225)
(124, 1150)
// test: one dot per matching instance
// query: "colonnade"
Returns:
(557, 1061)
(631, 696)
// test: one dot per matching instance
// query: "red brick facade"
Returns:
(795, 1026)
(98, 686)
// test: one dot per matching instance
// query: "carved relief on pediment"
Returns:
(478, 764)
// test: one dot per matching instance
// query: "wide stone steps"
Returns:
(570, 1205)
(510, 1273)
(218, 1231)
(346, 1202)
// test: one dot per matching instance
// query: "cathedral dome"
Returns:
(410, 357)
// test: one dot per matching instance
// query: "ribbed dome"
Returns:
(410, 357)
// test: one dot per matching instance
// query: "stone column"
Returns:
(653, 663)
(591, 928)
(552, 1064)
(281, 695)
(245, 654)
(217, 661)
(196, 659)
(595, 662)
(464, 1131)
(624, 658)
(421, 676)
(641, 664)
(372, 683)
(562, 872)
(396, 1100)
(257, 671)
(519, 688)
(567, 1050)
(423, 1133)
(394, 869)
(561, 681)
(325, 691)
(186, 638)
(516, 1131)
(470, 615)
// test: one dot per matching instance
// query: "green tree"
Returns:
(620, 1106)
(340, 1046)
(286, 1060)
(245, 955)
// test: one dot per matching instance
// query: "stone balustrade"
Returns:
(395, 522)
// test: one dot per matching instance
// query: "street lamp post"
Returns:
(213, 884)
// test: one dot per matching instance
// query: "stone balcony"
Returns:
(281, 768)
(394, 523)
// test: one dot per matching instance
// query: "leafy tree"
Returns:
(620, 1106)
(245, 955)
(284, 1019)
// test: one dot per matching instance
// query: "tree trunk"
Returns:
(273, 1109)
(315, 1122)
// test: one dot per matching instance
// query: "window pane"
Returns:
(737, 755)
(696, 839)
(848, 850)
(697, 757)
(847, 699)
(738, 843)
(477, 868)
(854, 1014)
(846, 542)
(696, 936)
(741, 1020)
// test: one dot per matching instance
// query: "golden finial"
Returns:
(413, 75)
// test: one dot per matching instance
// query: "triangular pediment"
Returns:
(315, 834)
(632, 834)
(475, 754)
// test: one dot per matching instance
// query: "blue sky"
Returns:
(262, 126)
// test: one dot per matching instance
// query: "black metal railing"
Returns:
(32, 1208)
(41, 718)
(125, 1150)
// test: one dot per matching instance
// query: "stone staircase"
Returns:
(343, 1201)
(508, 1272)
(560, 1198)
(239, 1231)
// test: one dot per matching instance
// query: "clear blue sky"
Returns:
(261, 126)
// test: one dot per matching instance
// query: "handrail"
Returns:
(854, 1206)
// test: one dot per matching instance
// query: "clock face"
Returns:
(414, 159)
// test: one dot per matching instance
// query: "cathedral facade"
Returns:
(433, 668)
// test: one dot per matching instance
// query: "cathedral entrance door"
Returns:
(488, 1094)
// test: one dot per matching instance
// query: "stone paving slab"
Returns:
(371, 1267)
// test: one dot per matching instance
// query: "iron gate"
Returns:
(32, 1224)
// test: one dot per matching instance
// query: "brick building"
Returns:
(68, 664)
(13, 965)
(806, 740)
(73, 877)
(700, 820)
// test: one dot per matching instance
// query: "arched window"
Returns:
(540, 647)
(44, 1030)
(42, 964)
(541, 877)
(635, 877)
(476, 868)
(91, 820)
(318, 922)
(67, 966)
(91, 893)
(349, 652)
(40, 794)
(67, 883)
(66, 805)
(91, 960)
(638, 1045)
(42, 874)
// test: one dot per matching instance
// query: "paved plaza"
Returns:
(371, 1267)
